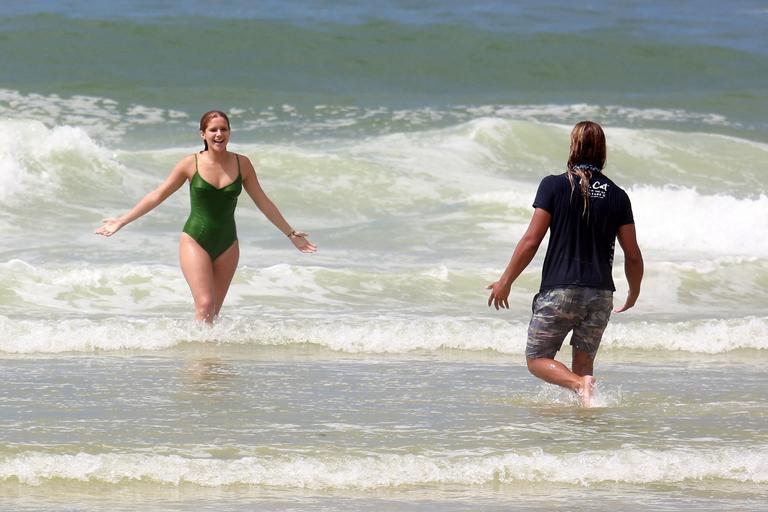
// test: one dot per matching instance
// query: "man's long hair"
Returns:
(587, 156)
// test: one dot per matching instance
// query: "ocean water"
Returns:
(409, 140)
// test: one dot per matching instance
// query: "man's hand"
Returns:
(499, 294)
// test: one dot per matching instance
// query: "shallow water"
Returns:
(423, 432)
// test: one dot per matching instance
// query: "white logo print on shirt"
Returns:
(598, 190)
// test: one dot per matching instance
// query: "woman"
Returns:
(585, 213)
(208, 248)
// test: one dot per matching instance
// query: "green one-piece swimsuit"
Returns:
(211, 221)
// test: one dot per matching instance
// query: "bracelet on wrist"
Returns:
(296, 234)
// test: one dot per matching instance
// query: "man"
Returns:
(585, 213)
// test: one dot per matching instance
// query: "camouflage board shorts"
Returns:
(585, 311)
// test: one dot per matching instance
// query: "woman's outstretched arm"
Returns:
(172, 183)
(269, 209)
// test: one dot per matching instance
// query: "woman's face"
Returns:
(216, 134)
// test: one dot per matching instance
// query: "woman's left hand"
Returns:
(299, 239)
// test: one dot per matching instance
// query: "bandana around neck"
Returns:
(587, 167)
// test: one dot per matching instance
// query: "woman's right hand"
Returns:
(109, 227)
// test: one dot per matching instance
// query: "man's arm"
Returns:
(521, 257)
(633, 264)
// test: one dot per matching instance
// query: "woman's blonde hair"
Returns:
(587, 156)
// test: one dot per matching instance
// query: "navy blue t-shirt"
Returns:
(580, 251)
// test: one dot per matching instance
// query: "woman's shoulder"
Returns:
(241, 156)
(186, 165)
(243, 162)
(188, 159)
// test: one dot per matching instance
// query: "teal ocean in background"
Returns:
(699, 57)
(408, 139)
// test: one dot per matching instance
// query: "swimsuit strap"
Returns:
(195, 162)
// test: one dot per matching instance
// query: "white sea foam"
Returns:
(361, 334)
(674, 219)
(484, 160)
(32, 157)
(603, 396)
(625, 465)
(321, 118)
(710, 336)
(100, 117)
(687, 289)
(580, 111)
(91, 289)
(108, 119)
(81, 307)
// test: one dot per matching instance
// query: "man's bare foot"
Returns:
(585, 391)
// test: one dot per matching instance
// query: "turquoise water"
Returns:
(409, 141)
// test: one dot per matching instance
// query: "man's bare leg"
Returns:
(583, 366)
(557, 373)
(581, 363)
